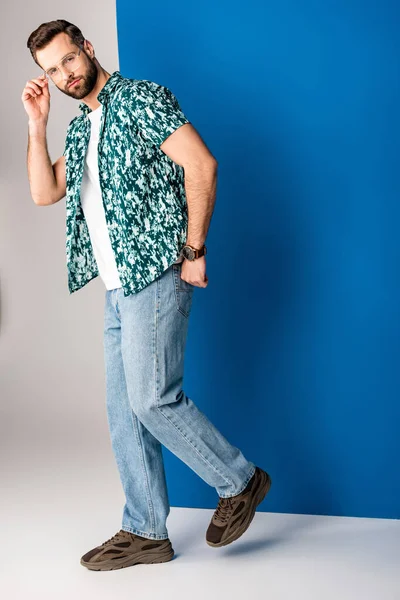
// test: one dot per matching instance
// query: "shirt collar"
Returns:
(107, 88)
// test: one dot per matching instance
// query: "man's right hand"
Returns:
(36, 99)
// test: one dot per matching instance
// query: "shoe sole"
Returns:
(135, 559)
(263, 489)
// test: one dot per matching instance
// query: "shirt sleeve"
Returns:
(160, 116)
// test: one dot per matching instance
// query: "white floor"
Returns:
(48, 524)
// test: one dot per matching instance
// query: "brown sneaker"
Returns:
(125, 549)
(233, 515)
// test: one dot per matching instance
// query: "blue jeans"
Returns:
(144, 345)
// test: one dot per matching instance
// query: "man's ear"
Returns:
(88, 47)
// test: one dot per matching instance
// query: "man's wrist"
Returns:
(37, 129)
(195, 244)
(191, 253)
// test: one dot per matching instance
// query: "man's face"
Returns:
(87, 72)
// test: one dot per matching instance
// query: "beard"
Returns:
(85, 84)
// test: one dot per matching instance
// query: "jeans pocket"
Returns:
(183, 291)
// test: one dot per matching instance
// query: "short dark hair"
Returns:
(44, 34)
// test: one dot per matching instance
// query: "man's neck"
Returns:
(91, 99)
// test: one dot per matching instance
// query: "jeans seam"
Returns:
(150, 504)
(178, 291)
(117, 311)
(155, 332)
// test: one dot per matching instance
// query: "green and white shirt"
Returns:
(142, 188)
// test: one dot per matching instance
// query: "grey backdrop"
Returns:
(52, 384)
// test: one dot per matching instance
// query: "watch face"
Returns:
(188, 253)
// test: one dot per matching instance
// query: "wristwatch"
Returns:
(191, 253)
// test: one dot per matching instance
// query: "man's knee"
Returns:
(146, 406)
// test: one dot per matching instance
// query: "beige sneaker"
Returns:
(125, 549)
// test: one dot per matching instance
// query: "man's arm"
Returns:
(186, 148)
(162, 122)
(47, 181)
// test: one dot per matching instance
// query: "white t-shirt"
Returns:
(92, 206)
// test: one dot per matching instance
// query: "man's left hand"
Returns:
(194, 271)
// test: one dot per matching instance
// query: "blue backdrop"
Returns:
(293, 348)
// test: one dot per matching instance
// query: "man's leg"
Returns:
(138, 453)
(154, 330)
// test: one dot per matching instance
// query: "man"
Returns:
(140, 189)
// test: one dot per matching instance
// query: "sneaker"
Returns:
(233, 515)
(125, 549)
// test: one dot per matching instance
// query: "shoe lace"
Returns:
(224, 509)
(113, 538)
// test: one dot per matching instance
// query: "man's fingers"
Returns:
(31, 89)
(42, 81)
(35, 86)
(44, 86)
(38, 85)
(28, 93)
(203, 283)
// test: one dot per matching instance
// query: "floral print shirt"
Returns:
(142, 189)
